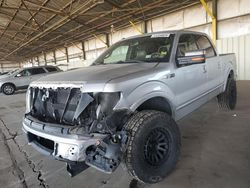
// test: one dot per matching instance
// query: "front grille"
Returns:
(61, 105)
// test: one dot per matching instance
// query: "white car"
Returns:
(21, 78)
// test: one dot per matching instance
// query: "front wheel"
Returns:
(153, 146)
(8, 89)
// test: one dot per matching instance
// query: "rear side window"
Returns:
(186, 44)
(35, 71)
(204, 44)
(51, 69)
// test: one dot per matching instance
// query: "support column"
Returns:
(67, 54)
(45, 59)
(83, 51)
(145, 26)
(215, 13)
(107, 40)
(38, 62)
(214, 19)
(54, 55)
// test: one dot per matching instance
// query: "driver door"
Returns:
(22, 79)
(190, 79)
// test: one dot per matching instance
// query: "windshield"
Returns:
(154, 48)
(13, 71)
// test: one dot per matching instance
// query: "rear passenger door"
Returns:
(36, 73)
(190, 79)
(213, 65)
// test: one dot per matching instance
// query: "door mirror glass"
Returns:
(18, 75)
(192, 57)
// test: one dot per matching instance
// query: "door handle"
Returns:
(219, 65)
(167, 76)
(172, 75)
(204, 69)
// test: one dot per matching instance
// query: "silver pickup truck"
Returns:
(124, 108)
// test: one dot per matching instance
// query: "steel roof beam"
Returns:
(105, 24)
(56, 25)
(39, 27)
(52, 10)
(183, 4)
(10, 21)
(24, 25)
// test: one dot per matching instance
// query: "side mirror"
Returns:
(192, 57)
(18, 75)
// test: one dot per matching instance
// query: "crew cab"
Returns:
(124, 108)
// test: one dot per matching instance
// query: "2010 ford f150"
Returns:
(124, 108)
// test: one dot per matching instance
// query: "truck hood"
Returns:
(98, 74)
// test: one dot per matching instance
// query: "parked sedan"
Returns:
(21, 78)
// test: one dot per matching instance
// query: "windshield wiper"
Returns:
(129, 61)
(134, 61)
(121, 62)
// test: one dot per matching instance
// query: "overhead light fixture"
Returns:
(98, 1)
(112, 29)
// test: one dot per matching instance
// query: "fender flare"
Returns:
(145, 92)
(228, 72)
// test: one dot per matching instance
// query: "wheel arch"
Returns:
(152, 92)
(10, 83)
(230, 74)
(157, 103)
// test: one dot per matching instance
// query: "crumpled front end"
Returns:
(74, 126)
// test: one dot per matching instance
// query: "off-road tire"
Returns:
(142, 128)
(228, 99)
(8, 89)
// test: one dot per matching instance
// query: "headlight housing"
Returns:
(107, 101)
(28, 100)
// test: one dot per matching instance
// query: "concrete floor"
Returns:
(215, 152)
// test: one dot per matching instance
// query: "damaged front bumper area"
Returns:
(79, 128)
(50, 139)
(100, 151)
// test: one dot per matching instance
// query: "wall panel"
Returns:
(240, 46)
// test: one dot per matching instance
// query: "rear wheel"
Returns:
(8, 89)
(153, 146)
(228, 99)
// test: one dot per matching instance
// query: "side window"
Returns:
(25, 72)
(35, 71)
(51, 69)
(186, 44)
(204, 44)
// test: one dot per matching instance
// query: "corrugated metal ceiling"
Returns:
(28, 27)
